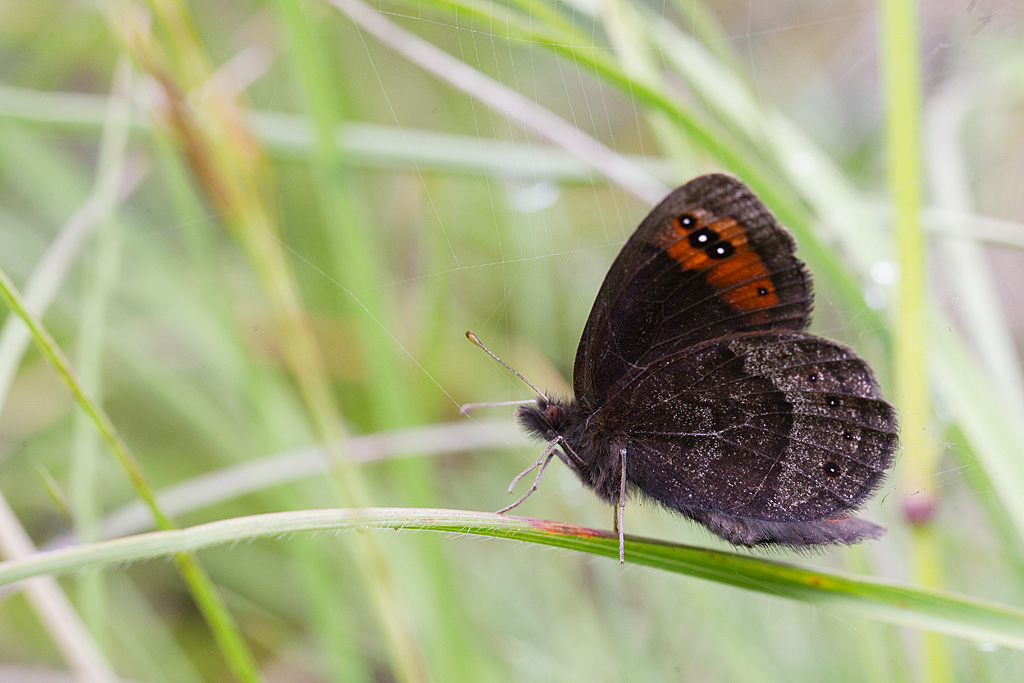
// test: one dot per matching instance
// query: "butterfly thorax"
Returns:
(584, 448)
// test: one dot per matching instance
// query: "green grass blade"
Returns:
(890, 602)
(225, 631)
(901, 83)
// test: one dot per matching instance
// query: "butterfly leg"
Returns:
(542, 463)
(620, 510)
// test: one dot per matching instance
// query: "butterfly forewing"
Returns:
(708, 261)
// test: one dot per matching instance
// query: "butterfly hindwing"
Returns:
(757, 435)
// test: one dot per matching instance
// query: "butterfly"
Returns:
(697, 386)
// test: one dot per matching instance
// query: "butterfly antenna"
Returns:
(476, 340)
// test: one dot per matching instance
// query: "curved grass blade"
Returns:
(891, 602)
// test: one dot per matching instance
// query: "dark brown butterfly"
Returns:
(697, 386)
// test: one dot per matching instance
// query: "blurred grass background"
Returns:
(258, 228)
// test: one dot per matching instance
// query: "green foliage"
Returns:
(259, 233)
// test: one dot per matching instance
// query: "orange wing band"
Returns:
(741, 279)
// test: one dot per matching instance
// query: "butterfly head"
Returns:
(545, 418)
